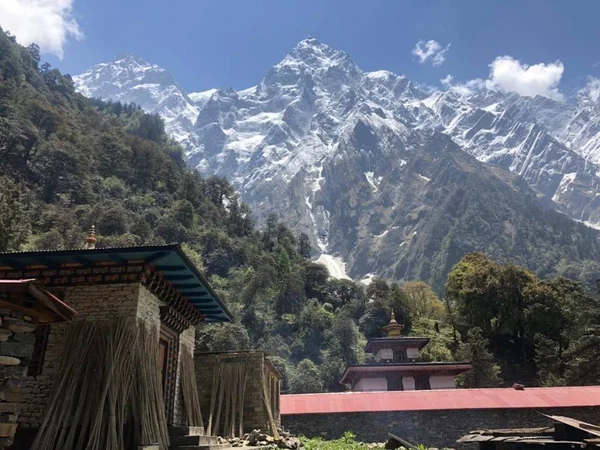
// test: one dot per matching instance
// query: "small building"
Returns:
(253, 385)
(123, 370)
(435, 418)
(397, 366)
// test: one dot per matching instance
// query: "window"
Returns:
(400, 356)
(39, 350)
(422, 383)
(395, 383)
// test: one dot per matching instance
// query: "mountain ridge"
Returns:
(284, 142)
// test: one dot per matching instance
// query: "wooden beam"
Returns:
(41, 316)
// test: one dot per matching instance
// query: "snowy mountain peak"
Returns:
(131, 79)
(284, 142)
(313, 59)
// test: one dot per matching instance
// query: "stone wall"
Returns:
(17, 341)
(432, 428)
(255, 413)
(96, 303)
(147, 306)
(92, 302)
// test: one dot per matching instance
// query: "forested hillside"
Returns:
(67, 162)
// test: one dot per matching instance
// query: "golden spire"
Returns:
(393, 329)
(90, 240)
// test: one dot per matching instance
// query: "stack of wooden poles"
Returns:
(108, 392)
(230, 380)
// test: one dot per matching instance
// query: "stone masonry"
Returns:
(436, 428)
(92, 302)
(96, 303)
(17, 341)
(255, 414)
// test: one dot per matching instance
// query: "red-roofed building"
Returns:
(451, 399)
(435, 417)
(397, 366)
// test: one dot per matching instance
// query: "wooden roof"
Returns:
(32, 299)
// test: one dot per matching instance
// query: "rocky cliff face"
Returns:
(394, 179)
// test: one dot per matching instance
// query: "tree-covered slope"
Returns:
(67, 162)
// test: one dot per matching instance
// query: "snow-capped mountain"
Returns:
(361, 160)
(130, 79)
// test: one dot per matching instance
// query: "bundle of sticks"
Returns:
(108, 392)
(227, 401)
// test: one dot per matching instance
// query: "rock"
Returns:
(13, 372)
(27, 338)
(13, 397)
(19, 349)
(290, 443)
(9, 361)
(9, 407)
(7, 429)
(19, 327)
(17, 314)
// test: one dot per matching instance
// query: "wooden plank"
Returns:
(520, 431)
(402, 441)
(475, 438)
(587, 427)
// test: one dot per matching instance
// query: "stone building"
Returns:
(134, 334)
(258, 386)
(397, 366)
(25, 307)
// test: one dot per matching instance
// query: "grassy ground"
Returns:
(346, 443)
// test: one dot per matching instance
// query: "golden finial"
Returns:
(393, 329)
(90, 240)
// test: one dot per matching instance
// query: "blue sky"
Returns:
(232, 43)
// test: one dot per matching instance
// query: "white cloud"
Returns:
(48, 23)
(447, 81)
(510, 75)
(592, 89)
(467, 88)
(430, 51)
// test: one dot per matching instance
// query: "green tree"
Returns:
(305, 378)
(13, 216)
(485, 372)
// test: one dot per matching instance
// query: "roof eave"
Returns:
(209, 289)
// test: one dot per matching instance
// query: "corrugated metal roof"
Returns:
(443, 399)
